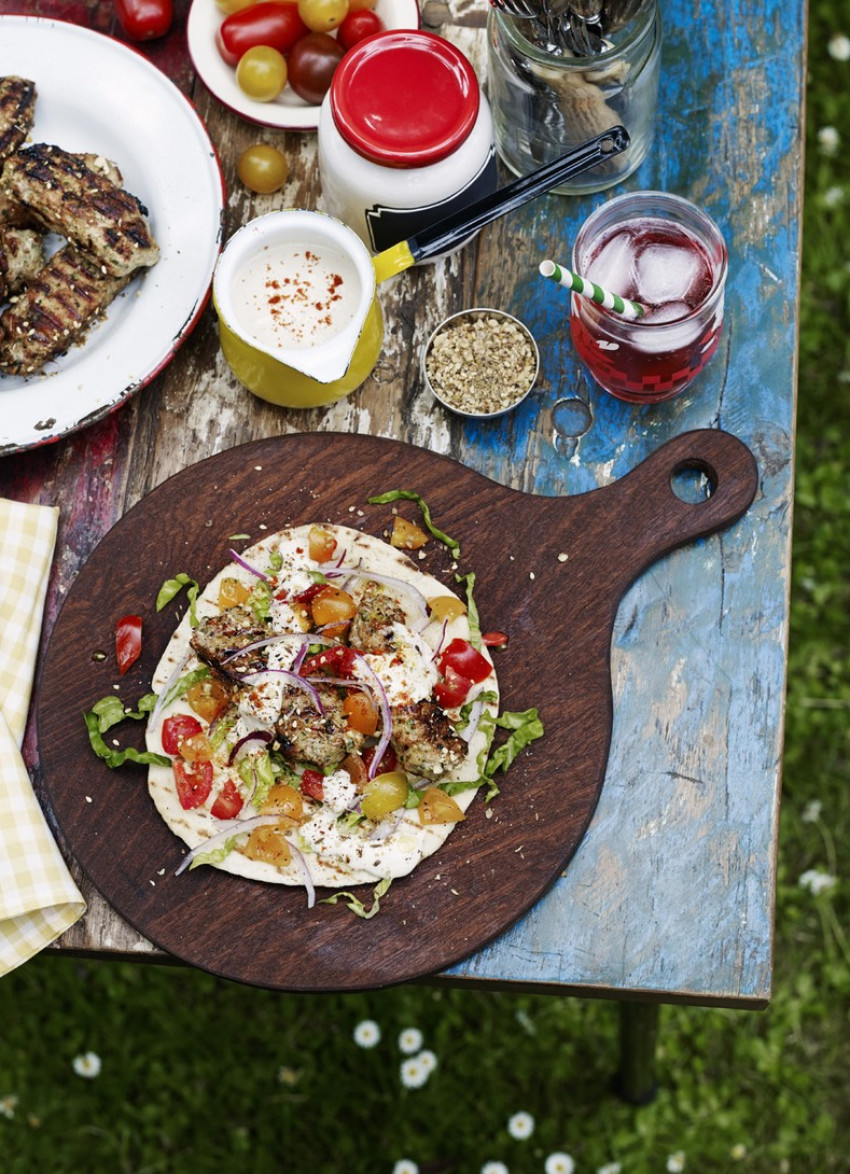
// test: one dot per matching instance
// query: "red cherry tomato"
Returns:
(178, 729)
(357, 26)
(193, 781)
(143, 19)
(228, 802)
(465, 660)
(389, 760)
(312, 62)
(312, 784)
(128, 641)
(275, 25)
(453, 690)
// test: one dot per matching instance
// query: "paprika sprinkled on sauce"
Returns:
(295, 296)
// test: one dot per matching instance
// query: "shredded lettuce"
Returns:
(356, 905)
(525, 726)
(108, 712)
(215, 855)
(255, 770)
(468, 581)
(172, 587)
(409, 495)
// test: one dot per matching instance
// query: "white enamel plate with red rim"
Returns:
(288, 111)
(97, 95)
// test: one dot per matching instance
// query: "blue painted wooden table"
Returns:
(670, 896)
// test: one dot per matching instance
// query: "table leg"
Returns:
(636, 1082)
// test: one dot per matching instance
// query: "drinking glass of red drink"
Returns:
(668, 255)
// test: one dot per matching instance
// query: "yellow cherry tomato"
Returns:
(261, 73)
(262, 168)
(321, 16)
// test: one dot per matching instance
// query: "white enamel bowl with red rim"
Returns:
(288, 111)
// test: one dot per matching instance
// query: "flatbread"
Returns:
(334, 846)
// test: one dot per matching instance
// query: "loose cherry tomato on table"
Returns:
(177, 729)
(268, 23)
(128, 641)
(143, 20)
(193, 781)
(261, 73)
(262, 169)
(228, 803)
(358, 25)
(312, 62)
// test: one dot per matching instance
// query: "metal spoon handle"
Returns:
(447, 233)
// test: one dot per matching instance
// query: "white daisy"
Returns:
(738, 1152)
(288, 1076)
(829, 140)
(427, 1060)
(816, 881)
(494, 1168)
(838, 47)
(833, 197)
(812, 810)
(367, 1034)
(558, 1163)
(610, 1168)
(87, 1065)
(676, 1163)
(413, 1073)
(8, 1104)
(405, 1166)
(521, 1126)
(410, 1041)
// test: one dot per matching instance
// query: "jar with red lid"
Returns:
(405, 137)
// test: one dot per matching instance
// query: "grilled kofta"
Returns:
(54, 310)
(68, 197)
(21, 257)
(17, 112)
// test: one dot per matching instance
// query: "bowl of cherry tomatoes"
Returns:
(271, 61)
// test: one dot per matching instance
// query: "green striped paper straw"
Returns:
(590, 289)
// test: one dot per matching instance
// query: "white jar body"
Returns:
(384, 204)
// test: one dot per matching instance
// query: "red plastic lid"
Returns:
(404, 98)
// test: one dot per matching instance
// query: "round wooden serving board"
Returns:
(558, 612)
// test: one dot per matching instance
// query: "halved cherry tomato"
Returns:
(198, 748)
(176, 729)
(452, 690)
(193, 781)
(268, 23)
(389, 759)
(208, 698)
(466, 660)
(228, 802)
(128, 641)
(405, 535)
(495, 639)
(143, 19)
(361, 712)
(436, 806)
(231, 593)
(312, 784)
(332, 605)
(357, 26)
(337, 661)
(321, 544)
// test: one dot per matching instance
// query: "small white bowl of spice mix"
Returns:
(480, 362)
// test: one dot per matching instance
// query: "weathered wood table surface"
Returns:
(670, 896)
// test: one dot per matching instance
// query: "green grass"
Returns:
(200, 1075)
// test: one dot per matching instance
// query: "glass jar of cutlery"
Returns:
(561, 71)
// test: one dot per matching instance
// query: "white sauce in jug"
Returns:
(294, 296)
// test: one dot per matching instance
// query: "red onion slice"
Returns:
(298, 857)
(237, 558)
(304, 638)
(386, 716)
(156, 712)
(235, 827)
(391, 581)
(254, 736)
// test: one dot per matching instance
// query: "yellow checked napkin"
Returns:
(38, 897)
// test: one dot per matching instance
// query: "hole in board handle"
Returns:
(693, 482)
